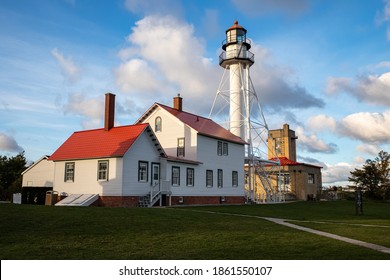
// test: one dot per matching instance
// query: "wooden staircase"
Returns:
(149, 200)
(155, 194)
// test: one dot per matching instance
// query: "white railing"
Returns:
(159, 188)
(236, 54)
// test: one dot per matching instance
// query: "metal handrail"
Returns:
(236, 54)
(246, 40)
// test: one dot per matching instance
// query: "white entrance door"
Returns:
(155, 174)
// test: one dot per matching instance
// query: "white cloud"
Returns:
(382, 64)
(321, 122)
(313, 144)
(136, 75)
(371, 89)
(337, 84)
(367, 127)
(383, 15)
(368, 149)
(386, 10)
(177, 53)
(90, 108)
(9, 144)
(164, 58)
(337, 173)
(359, 160)
(275, 86)
(69, 69)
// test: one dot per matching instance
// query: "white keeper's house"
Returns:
(168, 157)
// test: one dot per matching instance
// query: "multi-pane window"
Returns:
(220, 178)
(103, 170)
(158, 124)
(310, 178)
(180, 147)
(235, 179)
(222, 148)
(69, 172)
(143, 171)
(209, 178)
(190, 177)
(219, 148)
(175, 176)
(225, 151)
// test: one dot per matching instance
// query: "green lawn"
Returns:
(43, 232)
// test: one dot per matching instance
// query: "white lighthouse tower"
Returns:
(237, 58)
(246, 118)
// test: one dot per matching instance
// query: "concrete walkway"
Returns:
(284, 222)
(331, 235)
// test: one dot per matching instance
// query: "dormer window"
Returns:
(180, 147)
(158, 124)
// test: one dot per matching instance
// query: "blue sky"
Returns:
(321, 66)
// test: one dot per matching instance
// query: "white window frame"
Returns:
(143, 171)
(190, 178)
(235, 178)
(181, 147)
(102, 173)
(220, 178)
(222, 148)
(225, 149)
(158, 124)
(175, 176)
(209, 178)
(219, 148)
(69, 171)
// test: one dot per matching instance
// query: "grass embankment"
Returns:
(42, 232)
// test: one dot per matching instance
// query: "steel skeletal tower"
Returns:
(246, 119)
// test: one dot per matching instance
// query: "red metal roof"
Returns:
(285, 161)
(235, 26)
(99, 143)
(203, 125)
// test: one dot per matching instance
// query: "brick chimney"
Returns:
(178, 102)
(109, 114)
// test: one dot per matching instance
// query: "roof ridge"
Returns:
(98, 143)
(115, 127)
(186, 112)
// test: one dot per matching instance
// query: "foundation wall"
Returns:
(132, 201)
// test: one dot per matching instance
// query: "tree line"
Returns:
(374, 177)
(11, 169)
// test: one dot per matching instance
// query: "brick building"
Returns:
(294, 180)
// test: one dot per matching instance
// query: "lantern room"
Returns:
(234, 35)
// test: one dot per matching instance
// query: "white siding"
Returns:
(41, 174)
(207, 154)
(143, 149)
(86, 180)
(234, 161)
(172, 129)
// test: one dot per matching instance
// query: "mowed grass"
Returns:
(337, 217)
(42, 232)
